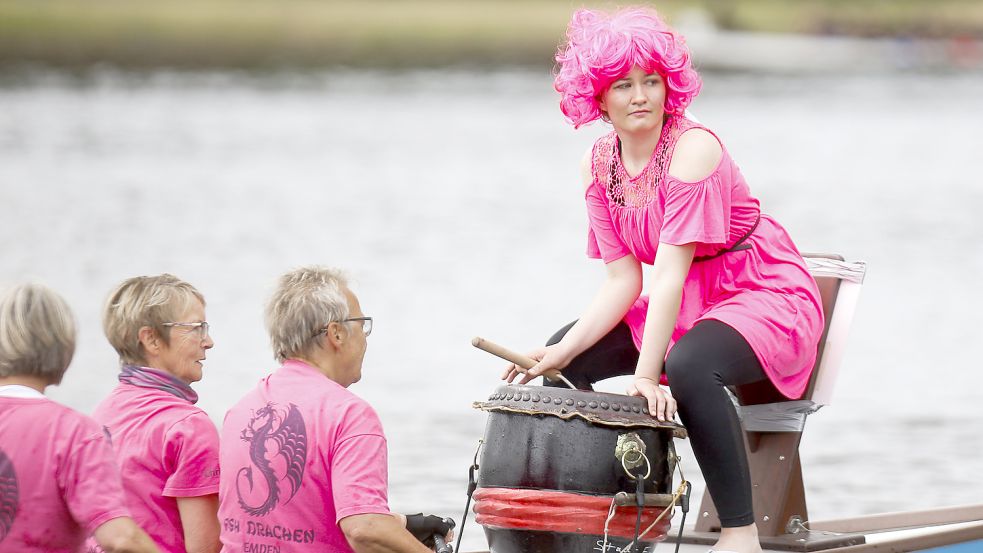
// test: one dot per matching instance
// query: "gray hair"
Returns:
(37, 333)
(305, 300)
(143, 301)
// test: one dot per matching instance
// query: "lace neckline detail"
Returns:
(639, 191)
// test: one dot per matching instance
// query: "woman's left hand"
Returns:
(661, 405)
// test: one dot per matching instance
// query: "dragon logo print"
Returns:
(277, 441)
(9, 495)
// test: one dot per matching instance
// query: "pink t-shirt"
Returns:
(58, 480)
(765, 292)
(166, 448)
(299, 453)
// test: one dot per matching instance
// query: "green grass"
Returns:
(395, 33)
(857, 17)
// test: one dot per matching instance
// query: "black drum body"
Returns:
(549, 469)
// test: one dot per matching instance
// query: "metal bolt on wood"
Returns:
(795, 525)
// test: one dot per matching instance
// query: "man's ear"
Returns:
(149, 339)
(336, 334)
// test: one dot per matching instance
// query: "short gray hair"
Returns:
(37, 333)
(305, 300)
(143, 301)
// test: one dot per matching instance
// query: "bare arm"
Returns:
(620, 289)
(695, 158)
(671, 265)
(199, 518)
(122, 535)
(617, 294)
(665, 294)
(377, 533)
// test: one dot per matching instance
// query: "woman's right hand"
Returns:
(661, 405)
(549, 357)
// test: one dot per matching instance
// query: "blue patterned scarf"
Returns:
(145, 377)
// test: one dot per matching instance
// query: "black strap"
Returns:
(685, 508)
(738, 246)
(472, 485)
(639, 505)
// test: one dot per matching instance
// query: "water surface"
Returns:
(453, 200)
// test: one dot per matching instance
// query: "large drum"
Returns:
(553, 461)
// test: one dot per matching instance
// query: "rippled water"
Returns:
(452, 198)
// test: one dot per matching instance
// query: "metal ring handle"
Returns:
(648, 468)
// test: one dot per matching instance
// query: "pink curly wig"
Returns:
(601, 48)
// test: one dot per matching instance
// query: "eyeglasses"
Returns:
(366, 324)
(201, 328)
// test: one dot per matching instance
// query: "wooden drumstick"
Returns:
(522, 362)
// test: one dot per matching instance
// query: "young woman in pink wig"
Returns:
(730, 301)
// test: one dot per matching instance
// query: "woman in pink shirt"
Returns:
(58, 481)
(167, 448)
(730, 302)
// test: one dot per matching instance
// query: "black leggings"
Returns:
(707, 358)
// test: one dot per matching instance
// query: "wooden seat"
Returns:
(773, 424)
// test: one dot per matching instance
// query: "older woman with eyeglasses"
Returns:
(58, 480)
(166, 447)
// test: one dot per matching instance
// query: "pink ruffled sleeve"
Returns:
(696, 212)
(603, 242)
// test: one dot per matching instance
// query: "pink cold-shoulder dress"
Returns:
(747, 272)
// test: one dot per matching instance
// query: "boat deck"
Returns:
(955, 537)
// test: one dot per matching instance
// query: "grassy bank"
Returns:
(397, 33)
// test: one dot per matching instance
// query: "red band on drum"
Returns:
(554, 511)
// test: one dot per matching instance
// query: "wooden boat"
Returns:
(530, 425)
(945, 530)
(773, 430)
